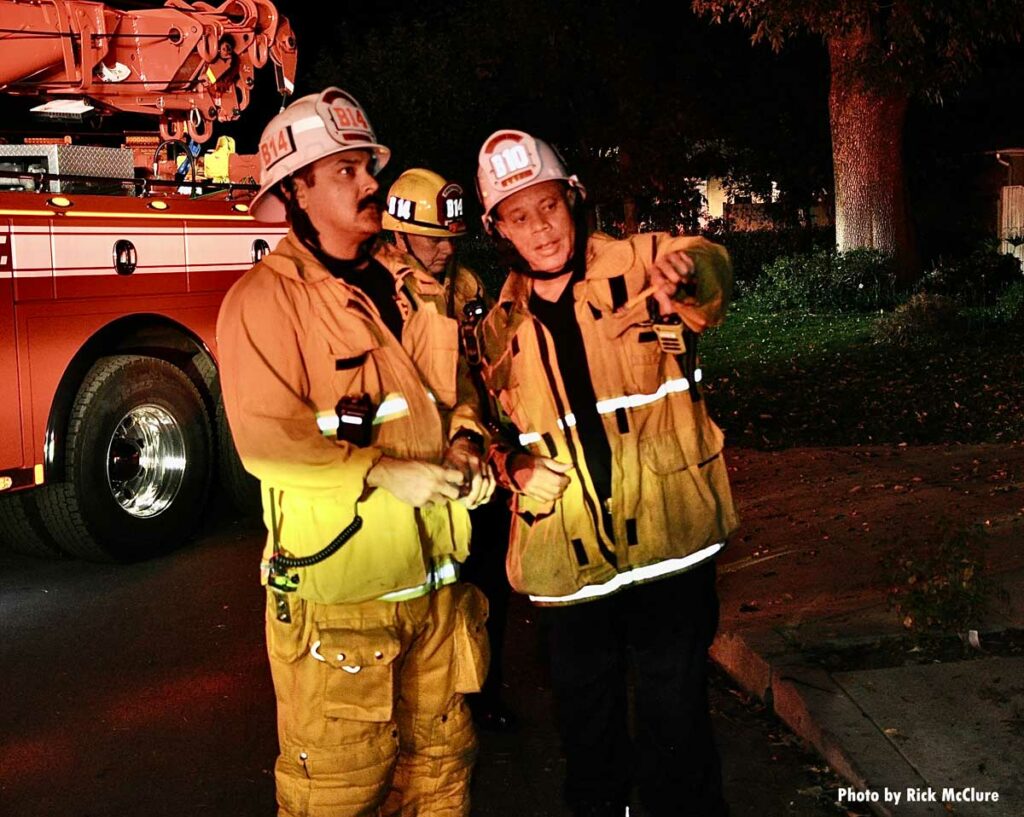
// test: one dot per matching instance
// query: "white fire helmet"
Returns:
(311, 128)
(510, 161)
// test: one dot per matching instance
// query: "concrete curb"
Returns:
(810, 702)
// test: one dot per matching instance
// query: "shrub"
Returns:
(944, 588)
(827, 280)
(754, 250)
(1009, 307)
(922, 317)
(977, 279)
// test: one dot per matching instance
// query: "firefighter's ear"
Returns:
(500, 229)
(300, 193)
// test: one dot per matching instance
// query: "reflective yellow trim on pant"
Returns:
(635, 575)
(444, 571)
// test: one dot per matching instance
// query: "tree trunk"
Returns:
(867, 154)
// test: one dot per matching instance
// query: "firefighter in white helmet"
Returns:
(622, 498)
(339, 381)
(426, 214)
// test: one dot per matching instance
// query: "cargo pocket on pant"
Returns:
(360, 683)
(472, 650)
(287, 639)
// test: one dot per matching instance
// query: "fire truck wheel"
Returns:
(240, 487)
(21, 528)
(137, 462)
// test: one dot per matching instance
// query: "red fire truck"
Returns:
(113, 266)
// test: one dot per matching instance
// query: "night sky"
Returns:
(692, 98)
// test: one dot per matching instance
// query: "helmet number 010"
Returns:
(510, 160)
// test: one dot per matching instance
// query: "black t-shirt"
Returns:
(376, 282)
(559, 317)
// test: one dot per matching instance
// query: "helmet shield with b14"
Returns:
(309, 129)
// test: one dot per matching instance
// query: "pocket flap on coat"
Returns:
(662, 453)
(348, 333)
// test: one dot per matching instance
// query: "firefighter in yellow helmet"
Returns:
(340, 388)
(622, 498)
(426, 214)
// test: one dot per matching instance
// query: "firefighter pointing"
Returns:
(340, 383)
(621, 496)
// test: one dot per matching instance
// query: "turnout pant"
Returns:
(663, 629)
(370, 712)
(485, 568)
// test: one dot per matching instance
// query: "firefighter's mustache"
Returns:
(370, 201)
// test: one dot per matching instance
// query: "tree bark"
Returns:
(867, 153)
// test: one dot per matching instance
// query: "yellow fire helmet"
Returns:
(423, 203)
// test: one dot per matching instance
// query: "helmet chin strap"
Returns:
(409, 250)
(540, 275)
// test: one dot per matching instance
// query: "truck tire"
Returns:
(138, 455)
(240, 487)
(234, 483)
(21, 528)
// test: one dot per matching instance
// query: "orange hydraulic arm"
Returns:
(188, 64)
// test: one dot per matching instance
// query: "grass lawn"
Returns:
(774, 381)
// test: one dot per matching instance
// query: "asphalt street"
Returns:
(144, 690)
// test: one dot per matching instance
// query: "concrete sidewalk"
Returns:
(807, 625)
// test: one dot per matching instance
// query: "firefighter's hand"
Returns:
(669, 274)
(478, 483)
(540, 478)
(415, 482)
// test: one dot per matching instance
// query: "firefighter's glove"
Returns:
(675, 277)
(466, 456)
(540, 478)
(415, 482)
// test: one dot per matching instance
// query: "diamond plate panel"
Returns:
(74, 160)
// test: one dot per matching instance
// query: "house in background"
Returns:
(745, 210)
(1010, 209)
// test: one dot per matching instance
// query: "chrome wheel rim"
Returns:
(146, 461)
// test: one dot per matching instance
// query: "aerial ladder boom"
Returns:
(186, 64)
